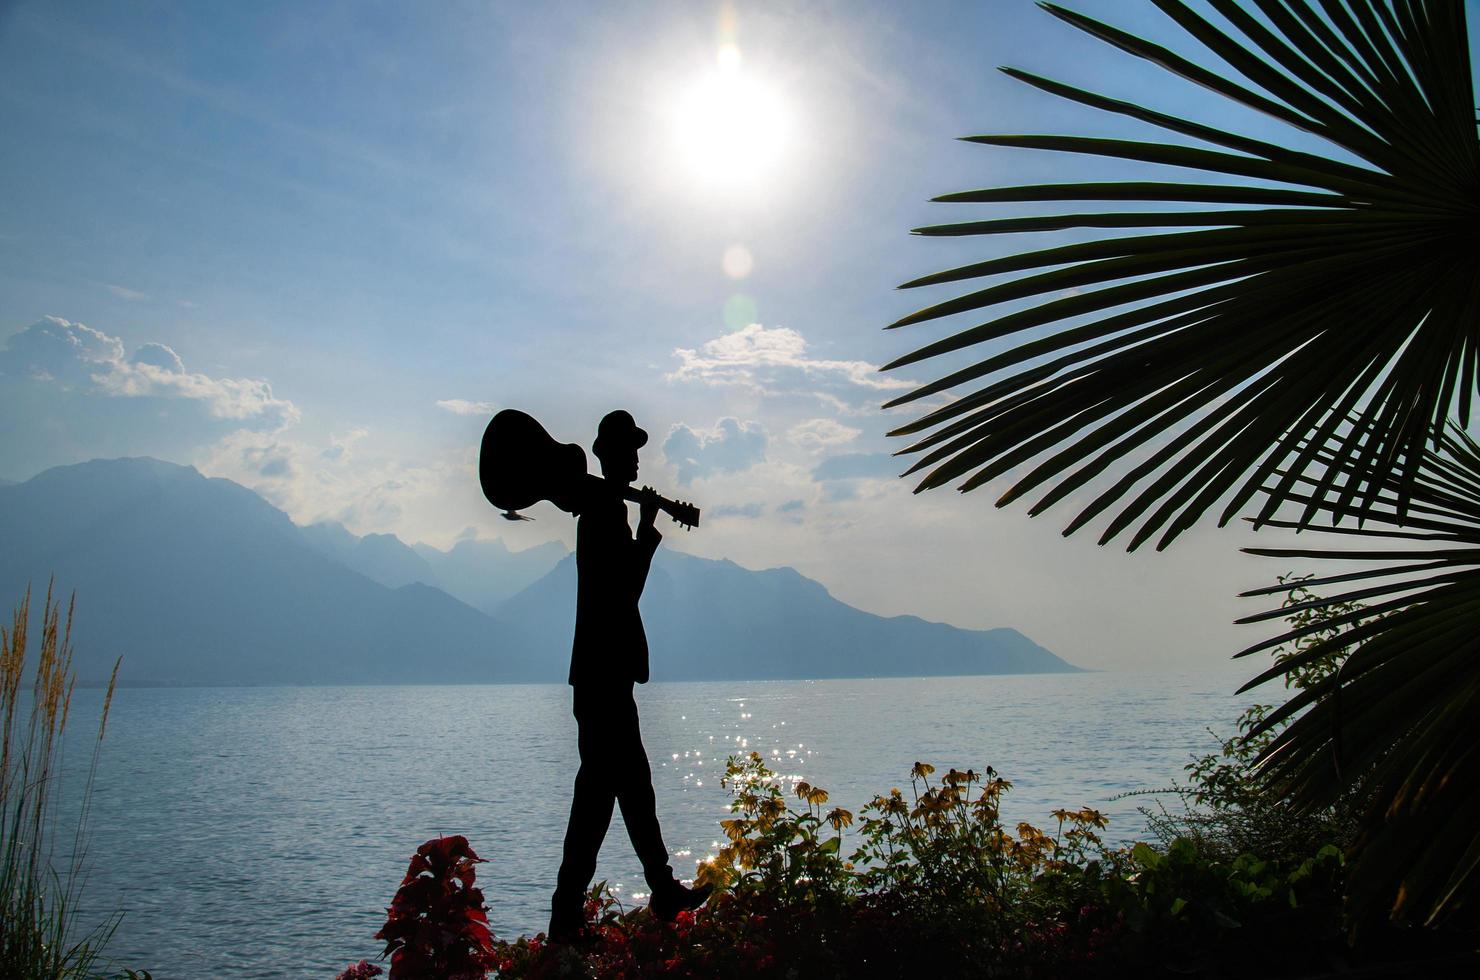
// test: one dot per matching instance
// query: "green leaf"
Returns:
(1396, 717)
(1286, 330)
(1336, 286)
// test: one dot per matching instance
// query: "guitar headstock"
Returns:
(683, 513)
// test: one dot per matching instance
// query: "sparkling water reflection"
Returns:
(261, 832)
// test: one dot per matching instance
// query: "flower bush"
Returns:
(936, 882)
(437, 926)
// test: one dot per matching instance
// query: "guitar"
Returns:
(520, 464)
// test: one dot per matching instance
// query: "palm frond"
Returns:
(1400, 716)
(1198, 362)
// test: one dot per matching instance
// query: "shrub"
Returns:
(935, 872)
(38, 902)
(437, 926)
(1226, 807)
(936, 884)
(1192, 913)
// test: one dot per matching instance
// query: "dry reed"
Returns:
(38, 903)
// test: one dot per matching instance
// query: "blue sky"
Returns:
(315, 245)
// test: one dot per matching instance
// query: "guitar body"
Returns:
(520, 464)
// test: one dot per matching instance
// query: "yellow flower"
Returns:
(839, 818)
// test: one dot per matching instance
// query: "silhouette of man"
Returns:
(608, 657)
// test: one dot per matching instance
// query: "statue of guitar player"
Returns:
(608, 657)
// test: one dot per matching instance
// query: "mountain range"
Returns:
(199, 581)
(480, 573)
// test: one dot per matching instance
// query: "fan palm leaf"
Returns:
(1398, 718)
(1195, 352)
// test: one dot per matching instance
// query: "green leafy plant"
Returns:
(1191, 911)
(935, 883)
(1228, 806)
(40, 938)
(785, 851)
(1395, 721)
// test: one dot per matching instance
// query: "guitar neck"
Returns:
(683, 513)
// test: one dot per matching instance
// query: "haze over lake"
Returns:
(262, 831)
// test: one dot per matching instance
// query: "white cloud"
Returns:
(817, 434)
(775, 360)
(77, 357)
(159, 356)
(340, 446)
(317, 483)
(751, 511)
(225, 398)
(123, 292)
(53, 349)
(729, 447)
(461, 406)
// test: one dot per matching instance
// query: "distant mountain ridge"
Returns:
(714, 620)
(480, 573)
(200, 581)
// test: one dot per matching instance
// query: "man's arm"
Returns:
(647, 539)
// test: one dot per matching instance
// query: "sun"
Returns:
(730, 127)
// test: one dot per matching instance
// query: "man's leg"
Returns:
(640, 814)
(635, 796)
(590, 815)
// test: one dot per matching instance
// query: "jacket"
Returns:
(610, 646)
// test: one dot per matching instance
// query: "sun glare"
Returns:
(730, 128)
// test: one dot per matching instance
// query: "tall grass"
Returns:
(39, 933)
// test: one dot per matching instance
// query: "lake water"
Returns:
(262, 832)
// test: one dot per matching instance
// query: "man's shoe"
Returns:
(567, 929)
(565, 936)
(674, 898)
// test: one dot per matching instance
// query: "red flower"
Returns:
(437, 926)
